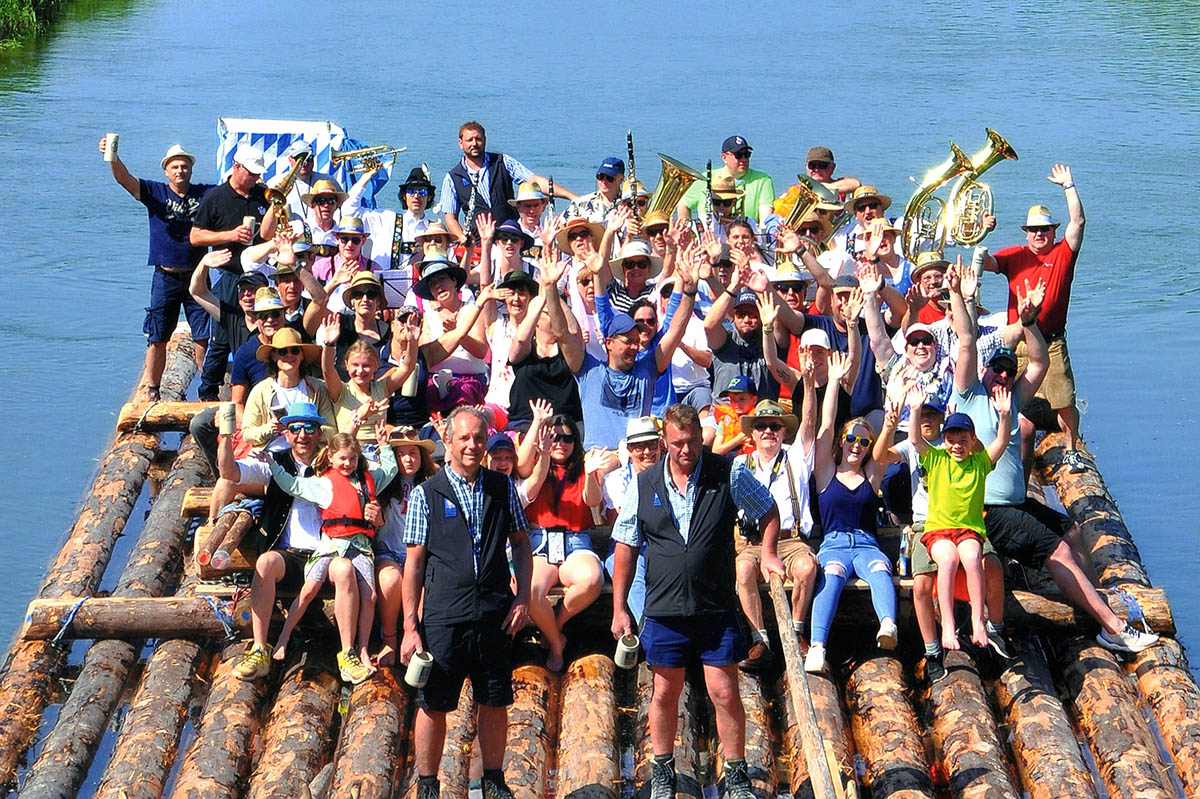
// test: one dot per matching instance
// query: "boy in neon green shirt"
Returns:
(955, 475)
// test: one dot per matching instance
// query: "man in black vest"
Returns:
(456, 528)
(684, 509)
(484, 181)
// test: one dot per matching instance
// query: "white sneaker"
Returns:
(1074, 461)
(814, 661)
(1128, 640)
(888, 634)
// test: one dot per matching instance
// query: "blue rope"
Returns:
(1136, 614)
(66, 622)
(223, 617)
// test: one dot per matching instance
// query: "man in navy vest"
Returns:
(684, 508)
(484, 181)
(457, 525)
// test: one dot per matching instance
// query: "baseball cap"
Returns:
(815, 337)
(819, 154)
(735, 143)
(746, 297)
(500, 441)
(1003, 354)
(620, 323)
(611, 167)
(299, 146)
(251, 159)
(958, 421)
(919, 328)
(250, 280)
(741, 383)
(845, 283)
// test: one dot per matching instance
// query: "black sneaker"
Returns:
(935, 669)
(999, 646)
(737, 782)
(496, 789)
(662, 781)
(428, 790)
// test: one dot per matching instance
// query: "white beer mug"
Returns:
(419, 667)
(227, 418)
(626, 656)
(110, 147)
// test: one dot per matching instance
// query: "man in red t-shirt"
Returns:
(1043, 259)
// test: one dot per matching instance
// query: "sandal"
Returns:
(152, 394)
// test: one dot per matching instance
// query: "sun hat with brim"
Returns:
(958, 421)
(640, 187)
(284, 338)
(436, 263)
(433, 229)
(251, 159)
(1039, 216)
(519, 278)
(865, 193)
(254, 280)
(770, 411)
(527, 192)
(513, 228)
(789, 274)
(299, 146)
(655, 218)
(282, 271)
(324, 187)
(726, 188)
(267, 299)
(636, 248)
(176, 151)
(350, 226)
(302, 412)
(641, 428)
(930, 259)
(578, 222)
(417, 177)
(365, 279)
(410, 437)
(812, 219)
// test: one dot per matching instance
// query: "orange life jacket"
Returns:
(344, 516)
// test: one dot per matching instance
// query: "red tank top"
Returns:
(571, 513)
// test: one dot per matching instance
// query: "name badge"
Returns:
(657, 500)
(450, 509)
(556, 546)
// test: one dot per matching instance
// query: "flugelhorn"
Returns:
(366, 159)
(675, 179)
(922, 229)
(277, 196)
(970, 199)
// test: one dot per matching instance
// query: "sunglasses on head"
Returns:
(421, 192)
(326, 200)
(296, 428)
(579, 234)
(869, 205)
(774, 427)
(865, 441)
(269, 314)
(819, 164)
(349, 239)
(917, 341)
(564, 438)
(289, 351)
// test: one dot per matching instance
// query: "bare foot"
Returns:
(365, 657)
(555, 662)
(950, 638)
(387, 654)
(280, 650)
(979, 636)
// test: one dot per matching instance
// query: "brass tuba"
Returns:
(922, 229)
(366, 159)
(277, 196)
(970, 199)
(674, 180)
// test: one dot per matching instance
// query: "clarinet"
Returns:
(553, 211)
(632, 176)
(469, 229)
(708, 203)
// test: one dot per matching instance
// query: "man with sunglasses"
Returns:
(819, 165)
(865, 203)
(758, 189)
(1042, 258)
(596, 206)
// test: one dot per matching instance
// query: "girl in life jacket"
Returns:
(345, 490)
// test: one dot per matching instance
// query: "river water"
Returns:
(1111, 89)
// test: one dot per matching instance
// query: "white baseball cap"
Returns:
(251, 158)
(815, 337)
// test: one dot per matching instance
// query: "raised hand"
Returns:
(808, 368)
(787, 240)
(1060, 174)
(487, 294)
(634, 227)
(869, 279)
(486, 226)
(439, 424)
(382, 431)
(550, 231)
(1030, 305)
(768, 308)
(1002, 400)
(216, 258)
(839, 366)
(679, 234)
(954, 275)
(619, 217)
(915, 297)
(756, 280)
(331, 330)
(550, 268)
(600, 460)
(968, 283)
(891, 412)
(989, 221)
(712, 247)
(874, 236)
(852, 306)
(542, 410)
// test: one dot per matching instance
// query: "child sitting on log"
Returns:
(346, 492)
(955, 476)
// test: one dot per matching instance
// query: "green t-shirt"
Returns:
(955, 489)
(758, 187)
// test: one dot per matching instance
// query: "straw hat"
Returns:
(726, 188)
(636, 248)
(267, 299)
(930, 259)
(655, 218)
(433, 229)
(594, 228)
(284, 338)
(527, 192)
(1038, 216)
(867, 192)
(408, 437)
(322, 187)
(768, 410)
(352, 226)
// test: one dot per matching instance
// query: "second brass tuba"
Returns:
(922, 229)
(675, 179)
(277, 196)
(970, 199)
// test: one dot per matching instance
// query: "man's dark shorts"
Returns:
(480, 650)
(168, 292)
(673, 642)
(293, 567)
(1028, 533)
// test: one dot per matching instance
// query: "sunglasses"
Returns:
(741, 154)
(349, 240)
(774, 427)
(564, 438)
(325, 201)
(640, 263)
(1039, 228)
(1004, 369)
(819, 164)
(417, 192)
(579, 234)
(289, 351)
(870, 205)
(296, 428)
(917, 341)
(811, 232)
(369, 294)
(437, 241)
(508, 237)
(787, 288)
(658, 231)
(642, 202)
(607, 178)
(864, 441)
(268, 314)
(722, 202)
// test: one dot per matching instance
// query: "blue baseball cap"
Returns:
(611, 167)
(741, 383)
(620, 323)
(933, 403)
(303, 412)
(1003, 354)
(734, 144)
(958, 421)
(500, 441)
(746, 297)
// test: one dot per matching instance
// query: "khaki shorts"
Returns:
(789, 549)
(1059, 386)
(923, 564)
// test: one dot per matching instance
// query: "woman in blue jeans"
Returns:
(848, 482)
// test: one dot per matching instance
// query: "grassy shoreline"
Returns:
(23, 18)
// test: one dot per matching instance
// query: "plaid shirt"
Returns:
(749, 495)
(470, 502)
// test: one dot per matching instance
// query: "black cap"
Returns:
(735, 143)
(251, 280)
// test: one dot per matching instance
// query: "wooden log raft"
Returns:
(760, 739)
(532, 731)
(885, 730)
(369, 755)
(1042, 741)
(831, 719)
(216, 764)
(687, 758)
(81, 562)
(159, 417)
(1165, 679)
(965, 732)
(588, 749)
(154, 563)
(131, 619)
(1106, 708)
(296, 739)
(196, 501)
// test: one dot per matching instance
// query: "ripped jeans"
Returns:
(842, 556)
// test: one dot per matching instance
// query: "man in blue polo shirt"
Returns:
(171, 208)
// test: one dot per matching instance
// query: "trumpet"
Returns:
(922, 229)
(277, 196)
(366, 159)
(970, 199)
(674, 180)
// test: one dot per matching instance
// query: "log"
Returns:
(1106, 709)
(153, 564)
(810, 732)
(1042, 740)
(131, 618)
(1052, 613)
(296, 739)
(196, 501)
(687, 751)
(964, 731)
(532, 731)
(885, 730)
(588, 747)
(241, 558)
(216, 764)
(1165, 679)
(454, 772)
(159, 417)
(369, 755)
(760, 739)
(834, 730)
(1087, 500)
(228, 533)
